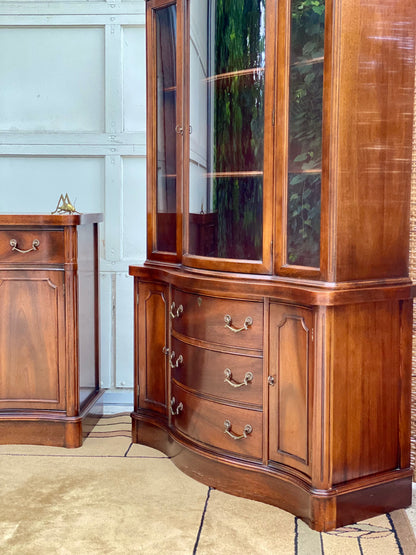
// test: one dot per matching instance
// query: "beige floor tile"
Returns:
(113, 506)
(234, 525)
(137, 450)
(115, 446)
(374, 536)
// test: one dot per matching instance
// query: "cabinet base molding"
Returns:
(53, 428)
(322, 510)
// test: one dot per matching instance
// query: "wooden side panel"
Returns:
(371, 381)
(32, 353)
(373, 120)
(291, 367)
(152, 342)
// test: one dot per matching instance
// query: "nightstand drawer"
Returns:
(31, 246)
(236, 378)
(223, 321)
(223, 427)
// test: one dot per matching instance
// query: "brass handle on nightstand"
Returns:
(247, 430)
(178, 361)
(229, 376)
(179, 408)
(178, 312)
(35, 246)
(247, 322)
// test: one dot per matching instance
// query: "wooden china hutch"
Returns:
(273, 314)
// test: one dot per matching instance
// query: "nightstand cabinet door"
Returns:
(32, 340)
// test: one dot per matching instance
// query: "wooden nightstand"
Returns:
(49, 329)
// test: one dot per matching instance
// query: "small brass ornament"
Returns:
(65, 206)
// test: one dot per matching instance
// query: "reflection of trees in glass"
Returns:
(305, 117)
(239, 205)
(305, 130)
(307, 38)
(306, 81)
(304, 218)
(239, 125)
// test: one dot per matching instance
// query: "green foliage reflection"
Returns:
(239, 125)
(305, 131)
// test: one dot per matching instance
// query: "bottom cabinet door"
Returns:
(151, 342)
(290, 386)
(32, 340)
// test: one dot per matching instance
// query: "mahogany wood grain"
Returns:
(334, 425)
(375, 54)
(203, 370)
(321, 510)
(203, 420)
(49, 250)
(49, 328)
(32, 369)
(342, 388)
(152, 333)
(367, 385)
(203, 318)
(291, 395)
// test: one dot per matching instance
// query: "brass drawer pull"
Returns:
(228, 323)
(35, 246)
(178, 312)
(179, 407)
(229, 376)
(177, 362)
(247, 430)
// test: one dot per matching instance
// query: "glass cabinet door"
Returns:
(166, 123)
(305, 132)
(227, 57)
(164, 141)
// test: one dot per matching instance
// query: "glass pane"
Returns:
(227, 61)
(305, 131)
(166, 135)
(305, 117)
(304, 219)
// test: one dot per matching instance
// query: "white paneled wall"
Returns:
(73, 120)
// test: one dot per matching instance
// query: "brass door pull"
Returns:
(229, 376)
(35, 246)
(228, 323)
(178, 312)
(179, 407)
(177, 362)
(247, 430)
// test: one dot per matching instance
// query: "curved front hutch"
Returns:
(273, 314)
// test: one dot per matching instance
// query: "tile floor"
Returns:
(114, 402)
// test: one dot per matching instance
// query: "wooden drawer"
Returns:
(204, 371)
(204, 421)
(205, 318)
(43, 246)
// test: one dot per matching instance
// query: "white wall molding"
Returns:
(72, 119)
